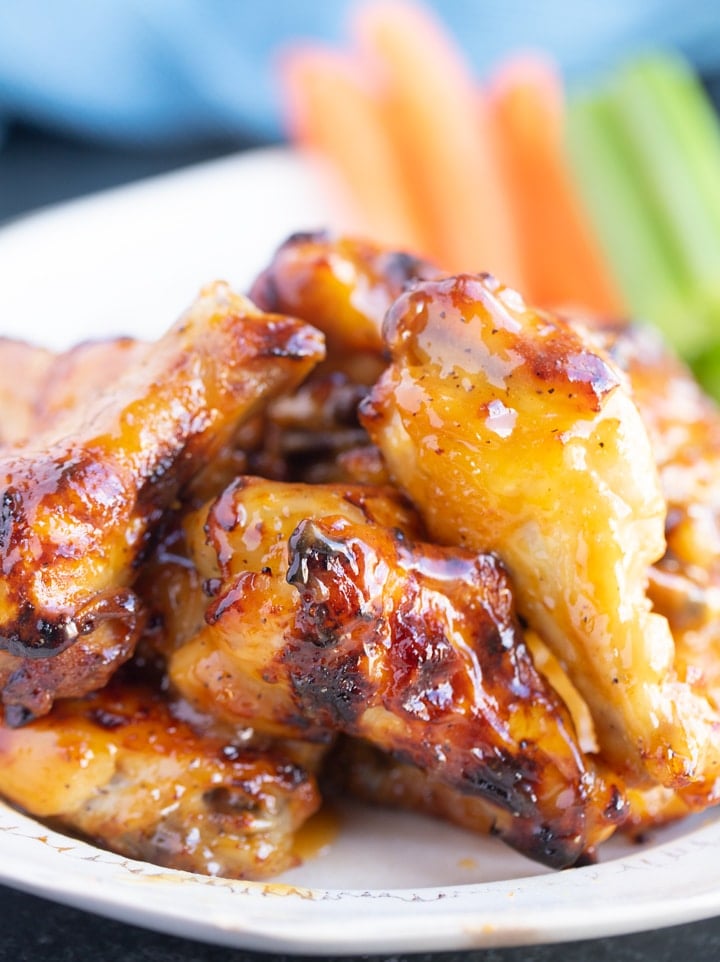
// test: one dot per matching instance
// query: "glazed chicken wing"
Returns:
(516, 457)
(364, 771)
(326, 618)
(510, 433)
(118, 768)
(343, 286)
(79, 502)
(219, 647)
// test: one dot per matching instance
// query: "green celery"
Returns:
(694, 124)
(628, 229)
(672, 140)
(706, 367)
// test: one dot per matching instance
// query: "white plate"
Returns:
(128, 262)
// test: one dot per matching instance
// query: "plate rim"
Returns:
(482, 915)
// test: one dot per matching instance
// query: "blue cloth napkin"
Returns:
(157, 71)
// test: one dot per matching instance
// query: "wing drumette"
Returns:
(510, 432)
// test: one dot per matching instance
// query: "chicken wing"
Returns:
(343, 286)
(118, 768)
(325, 617)
(510, 433)
(219, 651)
(79, 503)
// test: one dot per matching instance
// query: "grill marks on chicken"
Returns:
(79, 503)
(118, 768)
(422, 655)
(509, 431)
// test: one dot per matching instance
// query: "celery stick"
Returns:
(635, 244)
(694, 122)
(706, 368)
(663, 133)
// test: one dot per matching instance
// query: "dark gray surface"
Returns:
(35, 170)
(38, 169)
(36, 931)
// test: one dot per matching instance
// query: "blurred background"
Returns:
(573, 149)
(94, 94)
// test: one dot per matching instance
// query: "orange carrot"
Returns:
(561, 262)
(333, 111)
(431, 109)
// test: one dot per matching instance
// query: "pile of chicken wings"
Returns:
(367, 528)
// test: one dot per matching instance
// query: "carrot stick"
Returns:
(431, 111)
(562, 263)
(334, 113)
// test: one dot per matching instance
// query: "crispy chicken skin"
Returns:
(364, 771)
(508, 432)
(429, 663)
(326, 617)
(118, 768)
(79, 502)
